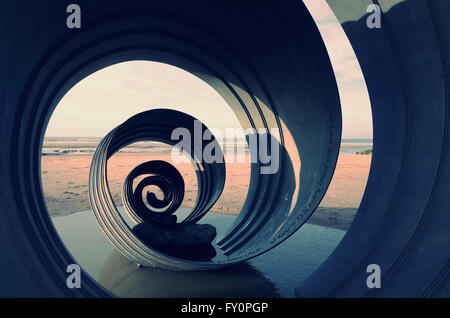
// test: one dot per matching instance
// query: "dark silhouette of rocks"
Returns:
(166, 221)
(193, 235)
(190, 241)
(152, 235)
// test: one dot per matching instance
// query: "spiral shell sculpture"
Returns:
(265, 220)
(155, 125)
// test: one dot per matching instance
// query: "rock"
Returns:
(193, 235)
(165, 221)
(151, 235)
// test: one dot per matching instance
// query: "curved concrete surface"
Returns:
(243, 50)
(403, 221)
(268, 61)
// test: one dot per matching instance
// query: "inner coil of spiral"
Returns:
(163, 175)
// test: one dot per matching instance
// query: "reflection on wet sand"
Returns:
(125, 279)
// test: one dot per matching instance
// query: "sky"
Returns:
(355, 103)
(108, 97)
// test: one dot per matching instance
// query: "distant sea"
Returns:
(355, 145)
(87, 145)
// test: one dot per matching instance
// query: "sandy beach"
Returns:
(65, 185)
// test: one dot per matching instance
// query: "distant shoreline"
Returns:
(65, 185)
(58, 146)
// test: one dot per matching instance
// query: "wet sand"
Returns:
(65, 185)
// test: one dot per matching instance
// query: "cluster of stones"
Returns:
(165, 233)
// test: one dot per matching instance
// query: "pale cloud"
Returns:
(320, 10)
(355, 103)
(110, 96)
